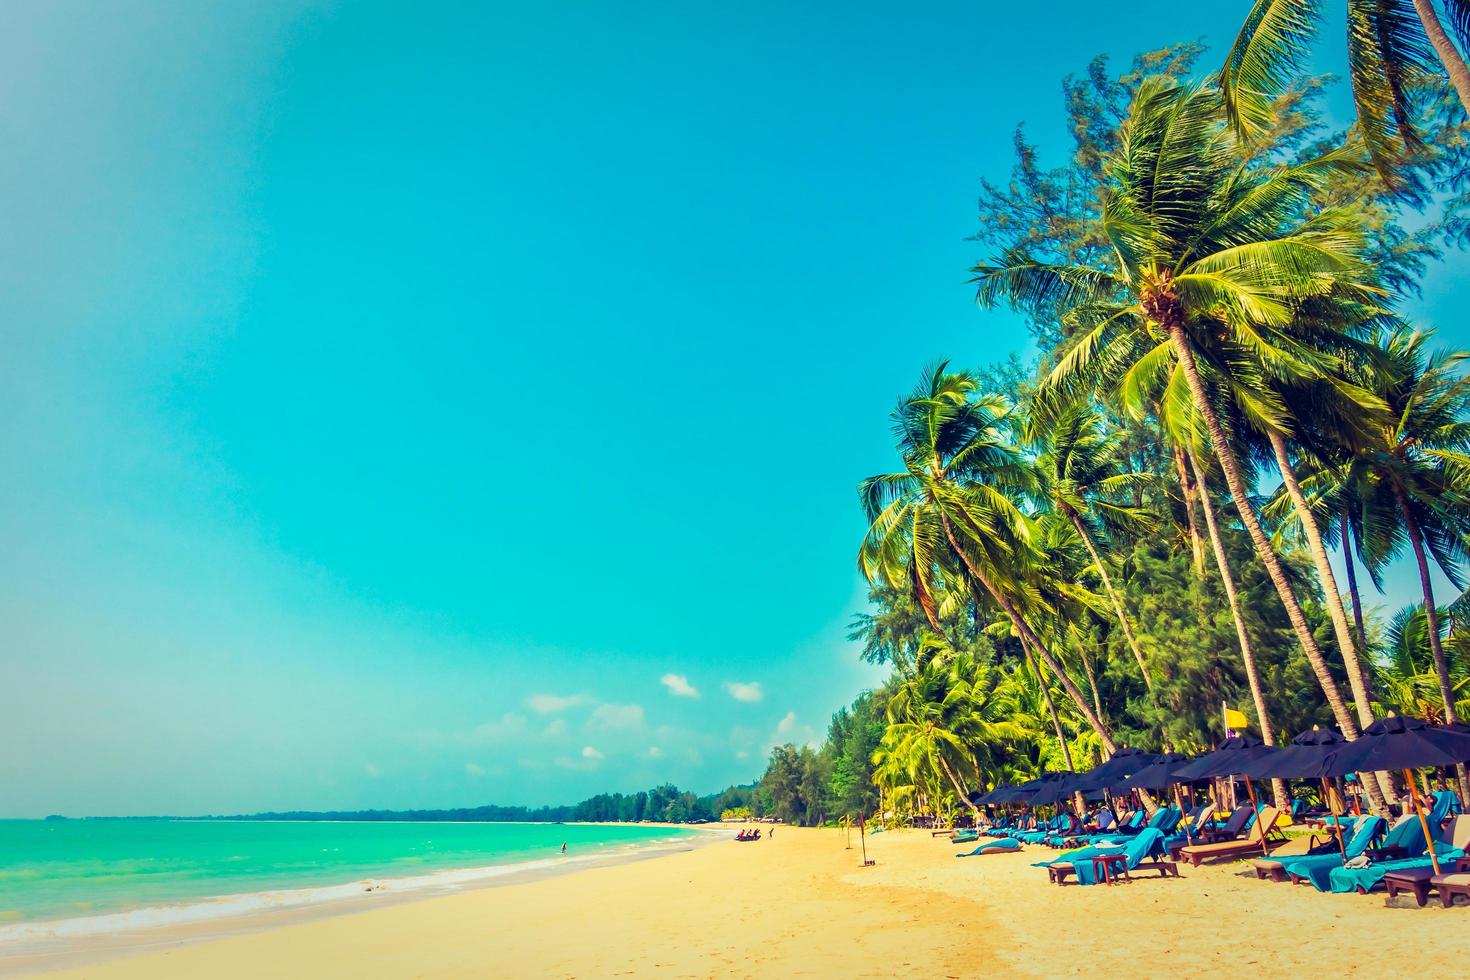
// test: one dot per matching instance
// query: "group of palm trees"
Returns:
(1234, 336)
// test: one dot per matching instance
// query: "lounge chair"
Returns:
(1229, 831)
(1449, 847)
(1257, 839)
(1141, 852)
(1315, 868)
(1195, 821)
(1127, 826)
(1102, 821)
(1006, 845)
(1326, 820)
(1054, 825)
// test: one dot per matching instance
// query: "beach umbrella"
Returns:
(1233, 753)
(1311, 755)
(1396, 742)
(1057, 790)
(1227, 760)
(996, 795)
(1023, 792)
(1403, 743)
(1113, 773)
(1159, 775)
(1315, 754)
(1043, 792)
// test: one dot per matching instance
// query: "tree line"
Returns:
(1101, 547)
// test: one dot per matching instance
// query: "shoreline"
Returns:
(28, 948)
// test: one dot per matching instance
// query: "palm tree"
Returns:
(1079, 469)
(1392, 46)
(1419, 468)
(949, 717)
(950, 505)
(1212, 261)
(1408, 681)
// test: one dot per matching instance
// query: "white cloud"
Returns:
(654, 752)
(372, 770)
(473, 770)
(557, 728)
(509, 726)
(613, 717)
(588, 752)
(747, 692)
(742, 755)
(788, 729)
(679, 686)
(550, 704)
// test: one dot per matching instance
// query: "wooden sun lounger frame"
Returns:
(1263, 828)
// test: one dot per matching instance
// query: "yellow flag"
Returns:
(1236, 720)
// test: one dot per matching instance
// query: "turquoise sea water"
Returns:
(67, 869)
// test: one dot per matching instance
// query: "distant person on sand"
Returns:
(563, 847)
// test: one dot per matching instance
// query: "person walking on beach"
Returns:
(563, 847)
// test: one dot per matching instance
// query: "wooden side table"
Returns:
(1108, 867)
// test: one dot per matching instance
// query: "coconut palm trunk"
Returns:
(1431, 614)
(1092, 684)
(1117, 601)
(1345, 640)
(1235, 480)
(1188, 490)
(1024, 630)
(1056, 721)
(1352, 579)
(1222, 563)
(1449, 55)
(959, 788)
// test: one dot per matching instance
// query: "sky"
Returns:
(465, 404)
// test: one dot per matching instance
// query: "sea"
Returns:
(61, 878)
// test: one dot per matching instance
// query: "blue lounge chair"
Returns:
(1196, 822)
(1141, 852)
(1449, 848)
(1037, 836)
(1104, 822)
(1316, 868)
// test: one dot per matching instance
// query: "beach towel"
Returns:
(1317, 868)
(1004, 844)
(1149, 842)
(1346, 880)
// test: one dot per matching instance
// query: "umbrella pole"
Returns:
(1423, 820)
(1251, 792)
(1336, 822)
(1183, 812)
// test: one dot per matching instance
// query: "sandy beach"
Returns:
(802, 905)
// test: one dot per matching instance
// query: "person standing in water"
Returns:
(563, 847)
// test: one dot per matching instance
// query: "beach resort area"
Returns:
(574, 489)
(798, 904)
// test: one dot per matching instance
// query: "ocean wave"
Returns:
(230, 906)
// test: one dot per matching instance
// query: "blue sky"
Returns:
(465, 404)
